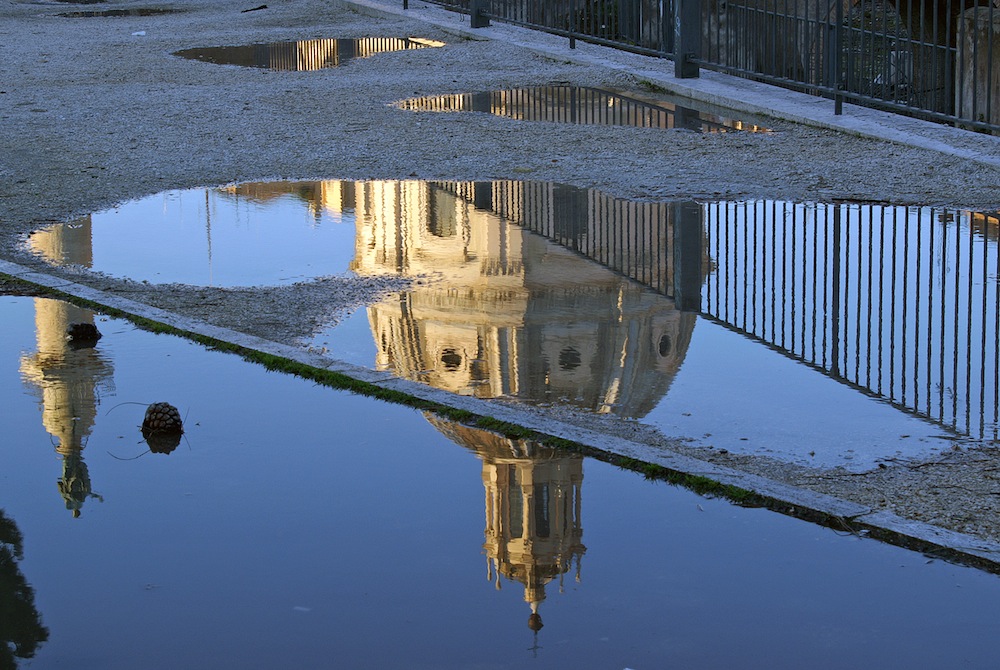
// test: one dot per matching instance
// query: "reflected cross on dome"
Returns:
(68, 380)
(534, 531)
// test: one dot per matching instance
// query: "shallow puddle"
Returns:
(139, 11)
(304, 55)
(250, 234)
(822, 334)
(582, 106)
(295, 524)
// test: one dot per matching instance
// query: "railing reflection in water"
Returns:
(901, 302)
(511, 313)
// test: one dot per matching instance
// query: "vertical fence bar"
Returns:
(687, 256)
(687, 39)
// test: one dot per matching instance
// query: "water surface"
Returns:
(582, 105)
(826, 334)
(304, 55)
(297, 524)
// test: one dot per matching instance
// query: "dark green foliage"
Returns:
(21, 629)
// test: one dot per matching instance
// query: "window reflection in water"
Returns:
(508, 312)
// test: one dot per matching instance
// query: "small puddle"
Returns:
(304, 55)
(582, 106)
(140, 11)
(254, 234)
(819, 333)
(520, 548)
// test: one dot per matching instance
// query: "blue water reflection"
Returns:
(303, 527)
(826, 334)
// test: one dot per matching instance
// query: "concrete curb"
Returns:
(741, 95)
(780, 497)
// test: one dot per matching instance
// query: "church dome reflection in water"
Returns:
(501, 303)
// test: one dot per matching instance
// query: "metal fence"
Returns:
(901, 303)
(934, 59)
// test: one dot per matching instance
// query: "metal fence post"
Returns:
(687, 239)
(833, 74)
(478, 15)
(687, 38)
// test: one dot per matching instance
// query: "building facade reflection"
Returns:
(67, 379)
(498, 310)
(534, 528)
(304, 55)
(578, 105)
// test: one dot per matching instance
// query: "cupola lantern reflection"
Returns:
(67, 378)
(534, 531)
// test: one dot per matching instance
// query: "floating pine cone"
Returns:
(162, 427)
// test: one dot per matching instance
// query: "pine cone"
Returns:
(162, 427)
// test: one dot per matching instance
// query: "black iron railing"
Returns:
(934, 59)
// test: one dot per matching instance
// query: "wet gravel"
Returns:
(95, 111)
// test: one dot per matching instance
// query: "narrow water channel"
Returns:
(298, 526)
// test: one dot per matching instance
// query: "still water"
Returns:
(827, 334)
(581, 106)
(305, 55)
(298, 526)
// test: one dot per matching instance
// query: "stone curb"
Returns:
(784, 498)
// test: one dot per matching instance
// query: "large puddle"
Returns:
(295, 524)
(581, 106)
(822, 334)
(304, 55)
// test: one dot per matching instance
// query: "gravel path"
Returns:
(93, 113)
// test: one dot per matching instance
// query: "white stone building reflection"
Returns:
(499, 311)
(534, 527)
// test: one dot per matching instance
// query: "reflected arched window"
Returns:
(515, 503)
(665, 346)
(541, 503)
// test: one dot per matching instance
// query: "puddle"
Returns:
(250, 234)
(139, 11)
(820, 334)
(582, 106)
(359, 536)
(683, 316)
(304, 55)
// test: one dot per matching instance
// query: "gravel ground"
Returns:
(92, 114)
